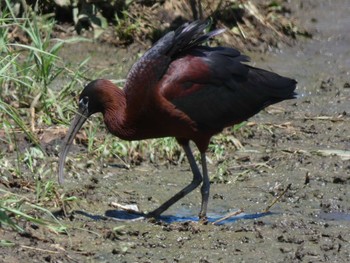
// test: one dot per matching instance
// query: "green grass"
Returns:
(28, 104)
(21, 208)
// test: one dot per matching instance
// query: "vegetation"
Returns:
(29, 105)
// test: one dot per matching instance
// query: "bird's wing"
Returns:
(145, 74)
(215, 89)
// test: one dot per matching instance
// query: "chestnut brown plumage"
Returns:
(183, 89)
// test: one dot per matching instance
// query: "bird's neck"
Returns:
(115, 114)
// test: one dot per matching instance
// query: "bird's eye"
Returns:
(84, 102)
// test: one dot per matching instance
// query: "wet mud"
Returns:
(303, 143)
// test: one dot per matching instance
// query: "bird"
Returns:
(181, 87)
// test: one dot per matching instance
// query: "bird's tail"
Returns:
(272, 86)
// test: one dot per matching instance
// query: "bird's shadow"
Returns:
(121, 215)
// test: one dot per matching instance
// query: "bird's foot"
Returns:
(203, 220)
(152, 214)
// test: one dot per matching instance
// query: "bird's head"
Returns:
(91, 100)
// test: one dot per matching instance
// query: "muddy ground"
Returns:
(287, 144)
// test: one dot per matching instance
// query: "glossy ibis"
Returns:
(184, 89)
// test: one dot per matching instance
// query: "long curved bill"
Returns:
(75, 126)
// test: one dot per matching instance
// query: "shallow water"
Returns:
(334, 216)
(184, 216)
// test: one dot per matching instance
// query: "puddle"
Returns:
(121, 215)
(334, 216)
(213, 218)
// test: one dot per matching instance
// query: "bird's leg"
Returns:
(197, 179)
(204, 189)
